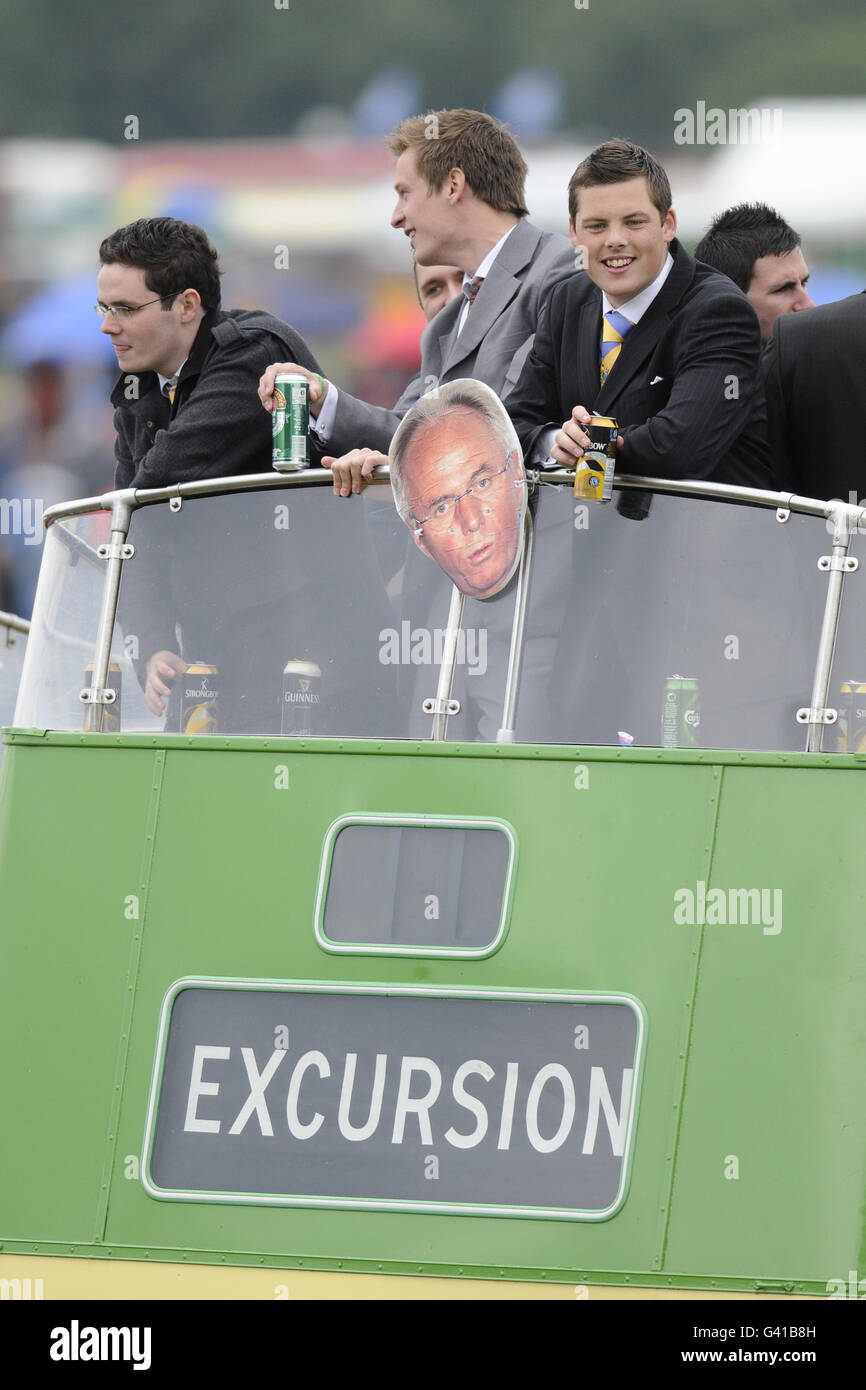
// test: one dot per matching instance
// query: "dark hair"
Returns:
(742, 235)
(614, 162)
(174, 256)
(487, 153)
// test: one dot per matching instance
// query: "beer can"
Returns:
(851, 724)
(593, 475)
(681, 713)
(110, 713)
(301, 698)
(199, 699)
(291, 422)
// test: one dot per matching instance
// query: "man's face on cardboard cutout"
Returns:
(463, 485)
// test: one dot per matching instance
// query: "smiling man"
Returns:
(458, 483)
(648, 335)
(459, 180)
(760, 252)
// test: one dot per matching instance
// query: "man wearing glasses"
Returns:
(182, 404)
(458, 483)
(185, 404)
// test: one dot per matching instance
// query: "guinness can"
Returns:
(291, 422)
(593, 476)
(199, 699)
(301, 697)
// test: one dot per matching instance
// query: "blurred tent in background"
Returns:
(388, 98)
(531, 102)
(57, 324)
(829, 283)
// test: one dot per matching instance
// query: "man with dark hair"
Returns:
(760, 252)
(648, 335)
(183, 407)
(185, 404)
(460, 201)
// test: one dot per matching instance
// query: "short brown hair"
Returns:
(614, 162)
(487, 153)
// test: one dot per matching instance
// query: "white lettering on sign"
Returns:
(416, 1084)
(256, 1098)
(197, 1088)
(349, 1131)
(599, 1096)
(296, 1125)
(420, 1105)
(470, 1103)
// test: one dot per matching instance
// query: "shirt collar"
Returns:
(635, 309)
(173, 377)
(484, 268)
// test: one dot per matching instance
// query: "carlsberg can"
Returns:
(681, 713)
(291, 422)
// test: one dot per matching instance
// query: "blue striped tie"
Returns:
(613, 334)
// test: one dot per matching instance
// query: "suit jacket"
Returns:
(492, 348)
(216, 426)
(685, 387)
(813, 370)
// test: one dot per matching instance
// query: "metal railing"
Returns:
(846, 519)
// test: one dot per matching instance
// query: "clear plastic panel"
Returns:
(338, 591)
(847, 691)
(63, 632)
(13, 645)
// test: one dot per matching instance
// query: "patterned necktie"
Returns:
(471, 288)
(169, 389)
(613, 335)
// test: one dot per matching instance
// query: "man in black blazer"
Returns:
(683, 379)
(813, 367)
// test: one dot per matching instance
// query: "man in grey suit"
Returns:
(460, 201)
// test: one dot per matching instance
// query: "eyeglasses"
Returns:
(123, 311)
(442, 515)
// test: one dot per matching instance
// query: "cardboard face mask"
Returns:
(459, 483)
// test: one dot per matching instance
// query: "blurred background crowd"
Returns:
(264, 121)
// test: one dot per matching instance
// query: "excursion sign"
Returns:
(396, 1098)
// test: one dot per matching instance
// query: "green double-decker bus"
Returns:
(418, 948)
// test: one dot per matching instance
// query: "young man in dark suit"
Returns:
(646, 334)
(814, 382)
